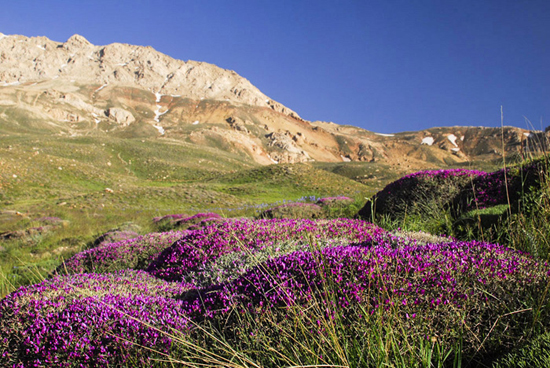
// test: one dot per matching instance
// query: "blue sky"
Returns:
(386, 66)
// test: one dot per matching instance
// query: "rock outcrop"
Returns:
(120, 116)
(31, 59)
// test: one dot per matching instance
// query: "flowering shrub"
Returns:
(335, 201)
(255, 282)
(456, 290)
(293, 210)
(200, 247)
(115, 236)
(498, 187)
(134, 253)
(169, 217)
(198, 220)
(419, 192)
(182, 222)
(234, 264)
(90, 320)
(459, 190)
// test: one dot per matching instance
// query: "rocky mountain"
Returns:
(76, 89)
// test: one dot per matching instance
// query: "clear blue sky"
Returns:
(386, 66)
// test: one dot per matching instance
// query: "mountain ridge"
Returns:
(75, 89)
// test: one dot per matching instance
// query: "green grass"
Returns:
(149, 177)
(154, 177)
(535, 353)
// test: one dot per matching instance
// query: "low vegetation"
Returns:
(447, 268)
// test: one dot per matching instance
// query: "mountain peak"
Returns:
(78, 41)
(38, 59)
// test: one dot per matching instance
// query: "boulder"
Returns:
(120, 116)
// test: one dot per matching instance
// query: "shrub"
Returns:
(232, 265)
(183, 222)
(114, 236)
(505, 186)
(196, 221)
(476, 298)
(293, 210)
(420, 193)
(90, 320)
(335, 201)
(134, 253)
(123, 232)
(200, 247)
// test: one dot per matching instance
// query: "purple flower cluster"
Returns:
(115, 236)
(425, 276)
(90, 320)
(205, 245)
(459, 189)
(170, 222)
(341, 200)
(430, 188)
(500, 186)
(198, 219)
(134, 253)
(435, 176)
(293, 210)
(130, 317)
(169, 217)
(431, 290)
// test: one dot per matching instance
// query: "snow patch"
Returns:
(16, 83)
(2, 36)
(62, 66)
(123, 64)
(100, 88)
(158, 96)
(40, 47)
(462, 138)
(385, 135)
(96, 118)
(528, 135)
(452, 139)
(159, 128)
(175, 95)
(455, 149)
(195, 122)
(158, 114)
(272, 160)
(345, 159)
(428, 140)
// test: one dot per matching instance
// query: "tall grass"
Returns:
(319, 334)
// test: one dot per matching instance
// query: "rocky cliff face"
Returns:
(75, 88)
(26, 59)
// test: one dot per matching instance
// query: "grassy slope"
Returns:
(43, 174)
